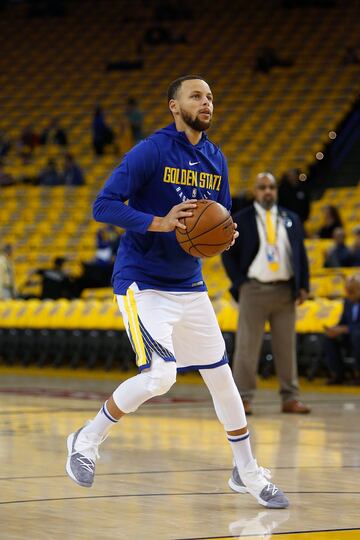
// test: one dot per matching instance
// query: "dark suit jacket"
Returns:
(239, 257)
(346, 318)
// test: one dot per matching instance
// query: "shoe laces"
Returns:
(89, 449)
(270, 486)
(266, 473)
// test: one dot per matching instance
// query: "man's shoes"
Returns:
(255, 480)
(83, 451)
(247, 407)
(296, 407)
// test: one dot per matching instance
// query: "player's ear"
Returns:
(173, 106)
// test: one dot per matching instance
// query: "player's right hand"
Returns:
(169, 222)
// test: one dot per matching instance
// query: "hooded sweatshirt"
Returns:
(158, 173)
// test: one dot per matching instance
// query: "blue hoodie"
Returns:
(158, 173)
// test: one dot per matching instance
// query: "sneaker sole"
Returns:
(236, 487)
(242, 489)
(70, 440)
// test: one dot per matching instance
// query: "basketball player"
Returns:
(160, 289)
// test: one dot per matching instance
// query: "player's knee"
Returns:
(161, 378)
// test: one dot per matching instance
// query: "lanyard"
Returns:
(264, 226)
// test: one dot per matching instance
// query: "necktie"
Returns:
(271, 240)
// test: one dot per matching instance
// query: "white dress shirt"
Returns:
(259, 268)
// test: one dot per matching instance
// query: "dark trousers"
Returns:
(336, 348)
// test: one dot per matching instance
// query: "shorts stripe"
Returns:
(131, 311)
(154, 345)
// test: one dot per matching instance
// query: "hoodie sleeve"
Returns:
(126, 180)
(224, 194)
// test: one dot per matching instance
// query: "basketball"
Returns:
(208, 232)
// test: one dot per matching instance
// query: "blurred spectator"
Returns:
(72, 175)
(332, 221)
(5, 144)
(339, 254)
(55, 282)
(268, 58)
(54, 134)
(351, 57)
(344, 338)
(355, 248)
(103, 134)
(7, 279)
(29, 140)
(294, 195)
(107, 243)
(135, 118)
(50, 175)
(6, 179)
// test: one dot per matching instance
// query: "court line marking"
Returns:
(311, 531)
(175, 471)
(185, 494)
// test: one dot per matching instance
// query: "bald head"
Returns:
(352, 288)
(265, 190)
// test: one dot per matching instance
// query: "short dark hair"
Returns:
(175, 85)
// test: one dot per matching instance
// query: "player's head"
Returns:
(265, 190)
(191, 102)
(352, 288)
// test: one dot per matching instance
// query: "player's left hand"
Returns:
(236, 235)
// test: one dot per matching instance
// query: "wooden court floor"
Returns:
(163, 471)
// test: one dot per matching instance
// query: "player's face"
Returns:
(265, 191)
(194, 104)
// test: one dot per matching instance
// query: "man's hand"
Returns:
(303, 295)
(236, 235)
(169, 222)
(335, 331)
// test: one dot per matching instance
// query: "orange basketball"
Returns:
(208, 232)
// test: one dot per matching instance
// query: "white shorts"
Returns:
(179, 327)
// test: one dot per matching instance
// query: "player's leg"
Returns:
(246, 476)
(198, 343)
(148, 320)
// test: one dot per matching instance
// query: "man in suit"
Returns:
(345, 335)
(269, 272)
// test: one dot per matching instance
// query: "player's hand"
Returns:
(169, 222)
(236, 235)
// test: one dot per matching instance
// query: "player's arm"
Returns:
(126, 180)
(225, 196)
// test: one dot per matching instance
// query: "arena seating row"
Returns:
(274, 120)
(104, 314)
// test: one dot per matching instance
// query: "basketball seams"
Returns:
(201, 213)
(229, 218)
(210, 241)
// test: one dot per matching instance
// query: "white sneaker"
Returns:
(83, 451)
(255, 480)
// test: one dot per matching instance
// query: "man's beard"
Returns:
(267, 204)
(196, 123)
